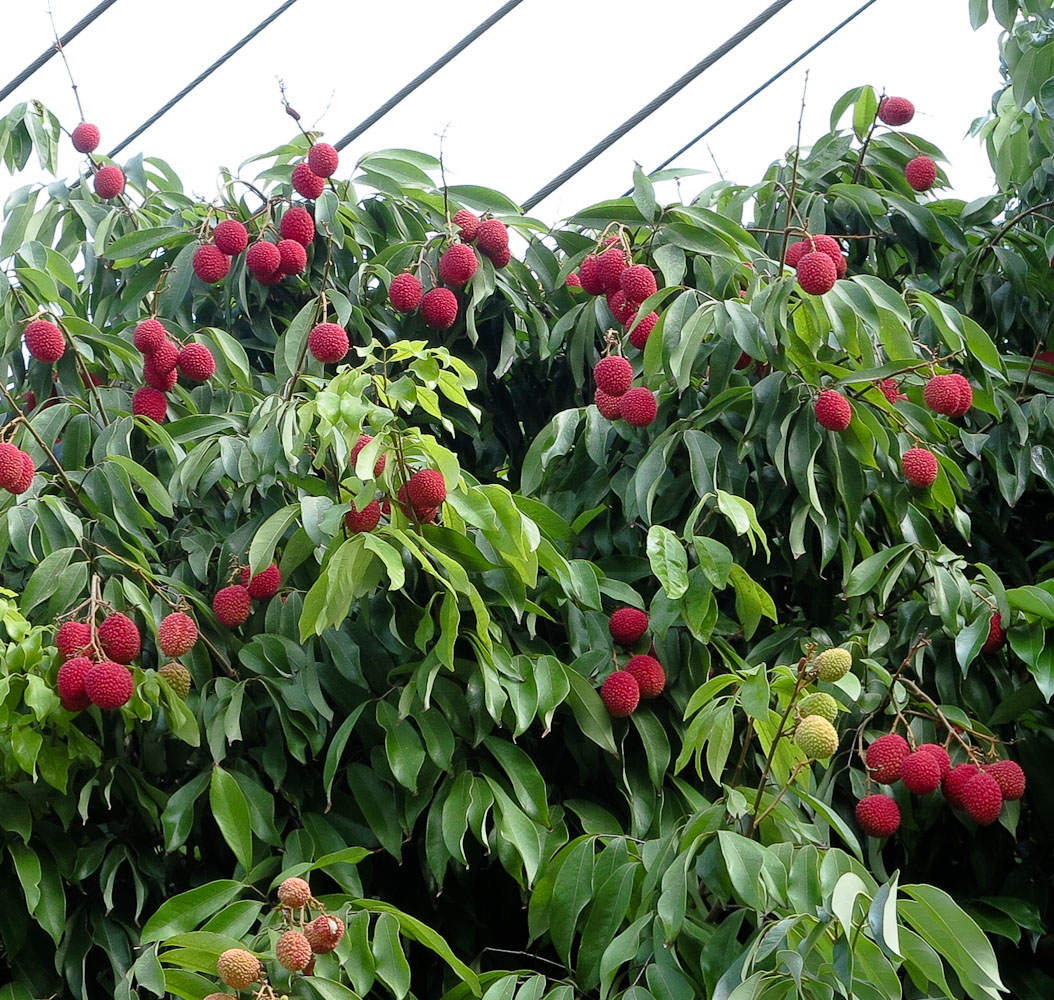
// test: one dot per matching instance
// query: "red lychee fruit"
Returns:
(306, 182)
(108, 684)
(940, 755)
(85, 138)
(324, 933)
(920, 772)
(263, 258)
(944, 394)
(627, 625)
(996, 635)
(956, 781)
(231, 237)
(500, 258)
(878, 815)
(457, 265)
(891, 390)
(613, 374)
(607, 405)
(587, 273)
(328, 343)
(638, 407)
(119, 638)
(620, 694)
(817, 273)
(795, 252)
(896, 110)
(621, 308)
(156, 380)
(70, 682)
(638, 283)
(492, 237)
(885, 756)
(210, 263)
(10, 465)
(468, 223)
(322, 158)
(44, 341)
(1009, 777)
(404, 293)
(109, 182)
(196, 362)
(818, 243)
(231, 605)
(921, 173)
(378, 466)
(833, 410)
(573, 280)
(649, 675)
(357, 521)
(298, 225)
(982, 799)
(638, 336)
(965, 395)
(293, 951)
(439, 308)
(610, 265)
(150, 403)
(264, 585)
(148, 336)
(176, 634)
(294, 892)
(426, 489)
(28, 471)
(164, 358)
(292, 257)
(920, 466)
(73, 639)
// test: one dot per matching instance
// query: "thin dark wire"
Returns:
(746, 100)
(48, 53)
(431, 71)
(653, 105)
(162, 111)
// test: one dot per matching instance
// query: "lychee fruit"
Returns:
(587, 274)
(638, 336)
(70, 682)
(637, 282)
(148, 336)
(885, 756)
(627, 625)
(996, 635)
(492, 237)
(817, 273)
(164, 358)
(1009, 777)
(816, 737)
(426, 489)
(328, 342)
(833, 664)
(306, 182)
(322, 158)
(896, 111)
(293, 951)
(891, 390)
(404, 293)
(26, 480)
(196, 362)
(638, 407)
(378, 466)
(621, 308)
(610, 265)
(818, 243)
(294, 892)
(177, 634)
(324, 933)
(833, 410)
(292, 256)
(163, 382)
(178, 678)
(263, 258)
(10, 465)
(921, 173)
(945, 394)
(231, 237)
(149, 403)
(457, 265)
(607, 405)
(264, 585)
(109, 182)
(982, 799)
(573, 280)
(85, 137)
(920, 466)
(613, 374)
(620, 694)
(298, 225)
(73, 638)
(44, 341)
(439, 308)
(468, 222)
(920, 772)
(210, 263)
(366, 519)
(108, 684)
(649, 675)
(878, 815)
(119, 637)
(231, 605)
(819, 703)
(939, 754)
(956, 781)
(238, 968)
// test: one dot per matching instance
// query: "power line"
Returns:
(652, 106)
(430, 72)
(162, 111)
(746, 100)
(48, 53)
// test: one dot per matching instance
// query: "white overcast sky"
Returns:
(522, 102)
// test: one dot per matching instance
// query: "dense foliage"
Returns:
(413, 721)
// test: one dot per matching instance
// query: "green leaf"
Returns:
(669, 561)
(231, 810)
(390, 961)
(156, 494)
(188, 910)
(864, 111)
(261, 550)
(589, 711)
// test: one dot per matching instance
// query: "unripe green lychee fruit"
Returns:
(816, 736)
(178, 678)
(819, 703)
(833, 664)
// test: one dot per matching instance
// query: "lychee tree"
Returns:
(644, 613)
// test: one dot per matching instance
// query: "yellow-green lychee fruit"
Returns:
(833, 664)
(816, 736)
(818, 703)
(178, 678)
(238, 968)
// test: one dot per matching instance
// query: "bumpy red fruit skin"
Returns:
(587, 273)
(238, 968)
(263, 258)
(306, 182)
(920, 772)
(941, 394)
(891, 390)
(294, 892)
(573, 280)
(44, 341)
(73, 639)
(649, 675)
(638, 407)
(10, 465)
(426, 489)
(492, 237)
(378, 466)
(996, 635)
(328, 343)
(322, 158)
(613, 374)
(1009, 777)
(610, 265)
(324, 933)
(457, 265)
(878, 815)
(965, 400)
(500, 258)
(621, 308)
(293, 951)
(298, 225)
(620, 694)
(150, 403)
(405, 292)
(439, 308)
(366, 519)
(627, 625)
(264, 585)
(607, 405)
(210, 263)
(638, 283)
(292, 257)
(885, 756)
(940, 755)
(795, 252)
(109, 182)
(921, 173)
(817, 243)
(164, 358)
(119, 637)
(176, 634)
(85, 137)
(920, 466)
(231, 605)
(956, 781)
(70, 680)
(982, 799)
(163, 382)
(896, 111)
(639, 334)
(833, 410)
(148, 336)
(817, 273)
(231, 237)
(28, 471)
(108, 684)
(468, 222)
(196, 362)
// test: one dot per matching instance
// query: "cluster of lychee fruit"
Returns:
(419, 498)
(16, 469)
(978, 790)
(641, 677)
(109, 180)
(816, 711)
(267, 262)
(309, 176)
(94, 670)
(232, 604)
(616, 397)
(921, 171)
(302, 939)
(163, 360)
(818, 261)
